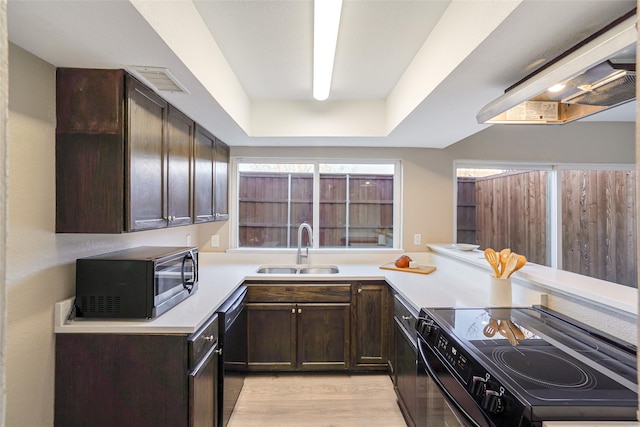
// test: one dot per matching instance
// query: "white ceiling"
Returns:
(410, 73)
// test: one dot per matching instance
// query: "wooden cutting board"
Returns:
(420, 269)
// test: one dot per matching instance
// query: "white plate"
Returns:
(466, 247)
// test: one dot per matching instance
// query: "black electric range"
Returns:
(522, 366)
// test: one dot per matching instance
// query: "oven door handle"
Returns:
(445, 393)
(188, 285)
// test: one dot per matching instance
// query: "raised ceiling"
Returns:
(408, 73)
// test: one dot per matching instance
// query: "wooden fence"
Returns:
(599, 225)
(598, 228)
(511, 213)
(355, 210)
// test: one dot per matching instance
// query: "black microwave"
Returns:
(141, 282)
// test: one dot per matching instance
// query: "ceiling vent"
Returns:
(159, 78)
(593, 76)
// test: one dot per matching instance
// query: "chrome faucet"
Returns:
(304, 226)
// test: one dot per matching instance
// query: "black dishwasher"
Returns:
(232, 316)
(406, 355)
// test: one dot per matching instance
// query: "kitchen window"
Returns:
(348, 205)
(578, 218)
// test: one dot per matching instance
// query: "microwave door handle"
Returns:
(188, 285)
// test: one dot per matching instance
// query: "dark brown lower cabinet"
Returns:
(115, 380)
(294, 327)
(298, 336)
(323, 336)
(203, 386)
(372, 318)
(271, 336)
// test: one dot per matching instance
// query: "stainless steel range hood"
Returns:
(591, 77)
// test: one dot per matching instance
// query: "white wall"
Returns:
(428, 175)
(40, 263)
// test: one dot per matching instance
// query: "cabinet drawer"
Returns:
(405, 315)
(281, 292)
(202, 341)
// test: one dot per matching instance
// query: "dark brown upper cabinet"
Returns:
(124, 156)
(211, 160)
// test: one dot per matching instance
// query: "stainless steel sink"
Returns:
(293, 269)
(277, 270)
(320, 269)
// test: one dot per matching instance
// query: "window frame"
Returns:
(234, 207)
(554, 191)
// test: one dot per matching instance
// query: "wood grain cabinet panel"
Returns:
(271, 336)
(121, 380)
(145, 380)
(371, 325)
(125, 158)
(146, 140)
(298, 326)
(323, 336)
(211, 182)
(179, 165)
(221, 181)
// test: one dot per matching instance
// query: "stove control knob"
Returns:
(426, 327)
(493, 402)
(478, 386)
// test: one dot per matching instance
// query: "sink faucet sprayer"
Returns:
(306, 226)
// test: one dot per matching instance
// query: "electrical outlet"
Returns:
(417, 239)
(215, 241)
(188, 239)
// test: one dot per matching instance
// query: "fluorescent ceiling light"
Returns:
(326, 21)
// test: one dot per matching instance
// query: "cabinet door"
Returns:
(115, 380)
(203, 176)
(221, 181)
(146, 157)
(323, 336)
(371, 342)
(90, 158)
(271, 336)
(203, 399)
(179, 145)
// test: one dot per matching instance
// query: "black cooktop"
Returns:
(545, 359)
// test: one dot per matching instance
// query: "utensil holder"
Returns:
(499, 292)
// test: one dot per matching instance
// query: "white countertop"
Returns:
(218, 278)
(460, 280)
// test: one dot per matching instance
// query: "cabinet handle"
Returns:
(210, 338)
(299, 310)
(359, 290)
(293, 311)
(406, 317)
(218, 351)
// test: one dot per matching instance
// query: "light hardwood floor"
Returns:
(317, 400)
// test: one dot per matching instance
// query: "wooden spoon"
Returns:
(517, 332)
(510, 266)
(504, 330)
(492, 258)
(491, 328)
(504, 256)
(521, 262)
